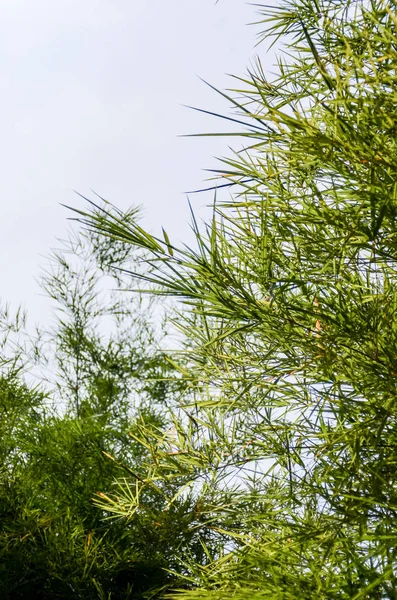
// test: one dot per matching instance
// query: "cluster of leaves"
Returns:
(286, 441)
(68, 438)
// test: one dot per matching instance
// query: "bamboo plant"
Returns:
(287, 438)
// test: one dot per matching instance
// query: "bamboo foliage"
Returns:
(287, 440)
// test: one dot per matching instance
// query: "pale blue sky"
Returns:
(92, 94)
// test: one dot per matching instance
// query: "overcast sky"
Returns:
(91, 97)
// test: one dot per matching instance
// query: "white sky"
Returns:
(91, 97)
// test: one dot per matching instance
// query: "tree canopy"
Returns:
(70, 400)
